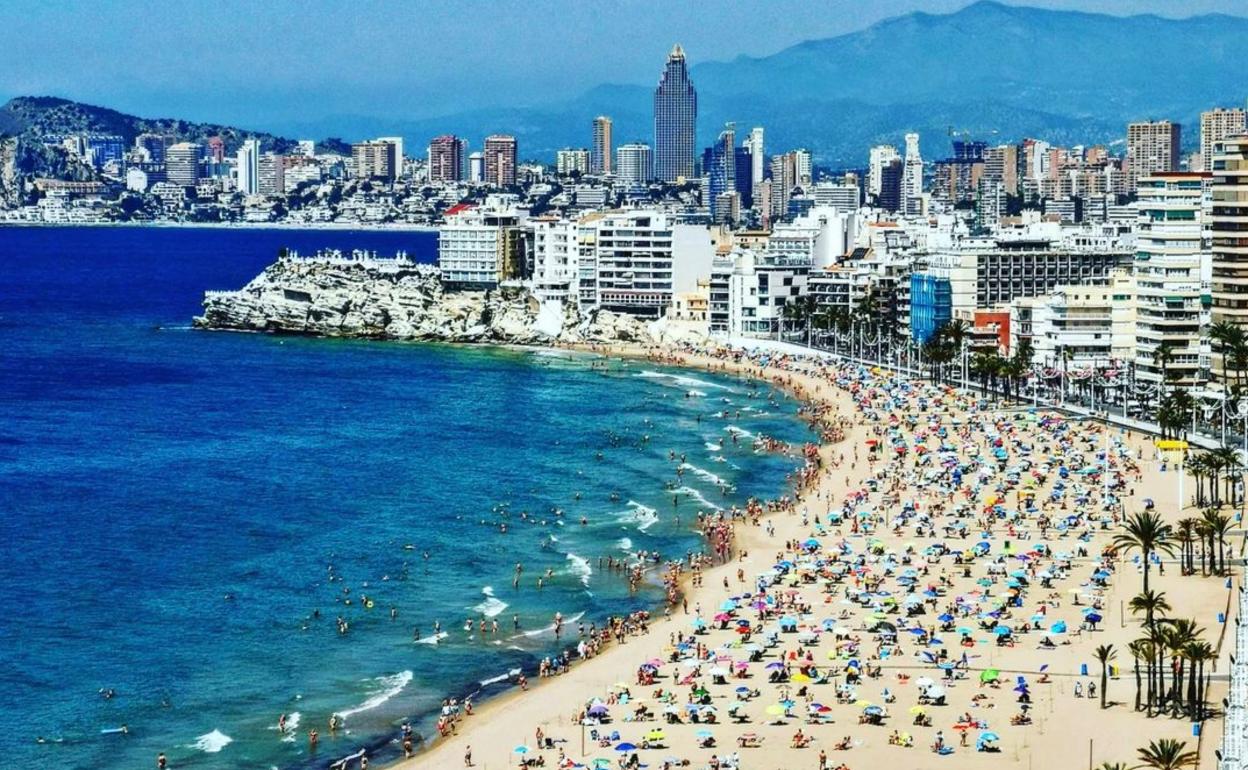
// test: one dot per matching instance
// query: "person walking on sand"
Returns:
(467, 756)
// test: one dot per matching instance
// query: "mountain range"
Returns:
(992, 71)
(988, 71)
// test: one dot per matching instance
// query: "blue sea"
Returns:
(186, 514)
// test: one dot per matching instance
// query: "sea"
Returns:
(185, 516)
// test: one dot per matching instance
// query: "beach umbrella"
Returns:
(935, 691)
(1093, 617)
(873, 711)
(775, 710)
(521, 750)
(599, 710)
(718, 671)
(917, 710)
(601, 762)
(655, 735)
(704, 734)
(924, 681)
(728, 606)
(989, 736)
(775, 666)
(990, 675)
(623, 747)
(800, 678)
(1058, 628)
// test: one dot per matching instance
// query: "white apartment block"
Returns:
(1172, 254)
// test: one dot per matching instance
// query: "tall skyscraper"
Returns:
(757, 161)
(1152, 148)
(500, 160)
(912, 176)
(216, 149)
(249, 167)
(722, 170)
(675, 120)
(634, 162)
(889, 197)
(1216, 125)
(600, 149)
(879, 156)
(182, 163)
(446, 158)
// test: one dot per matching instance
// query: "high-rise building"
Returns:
(675, 120)
(912, 176)
(889, 197)
(377, 159)
(1229, 211)
(397, 141)
(272, 174)
(745, 174)
(182, 164)
(1216, 125)
(476, 167)
(446, 159)
(570, 160)
(879, 156)
(1152, 147)
(500, 160)
(600, 149)
(249, 167)
(722, 169)
(634, 162)
(784, 175)
(758, 162)
(153, 146)
(1001, 165)
(307, 148)
(1169, 251)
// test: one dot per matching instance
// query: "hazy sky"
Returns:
(256, 63)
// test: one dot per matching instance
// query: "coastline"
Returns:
(604, 669)
(551, 706)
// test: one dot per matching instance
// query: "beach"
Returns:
(1012, 664)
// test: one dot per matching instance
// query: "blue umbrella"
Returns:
(625, 747)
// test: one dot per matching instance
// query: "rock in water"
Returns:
(400, 300)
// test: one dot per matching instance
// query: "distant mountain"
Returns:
(26, 120)
(38, 116)
(998, 72)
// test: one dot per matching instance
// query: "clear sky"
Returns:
(258, 64)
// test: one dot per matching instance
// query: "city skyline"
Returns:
(302, 59)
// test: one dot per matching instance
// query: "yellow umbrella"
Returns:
(655, 735)
(800, 678)
(916, 710)
(863, 703)
(775, 709)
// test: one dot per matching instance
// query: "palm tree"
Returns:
(1187, 534)
(1152, 603)
(1141, 649)
(1147, 533)
(1230, 466)
(1163, 356)
(1113, 766)
(1227, 338)
(1179, 634)
(1198, 652)
(1104, 654)
(1166, 754)
(1218, 525)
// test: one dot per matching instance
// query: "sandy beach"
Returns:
(942, 584)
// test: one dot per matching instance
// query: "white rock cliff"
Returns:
(399, 300)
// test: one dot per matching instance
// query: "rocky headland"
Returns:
(394, 299)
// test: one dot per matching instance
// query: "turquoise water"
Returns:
(178, 506)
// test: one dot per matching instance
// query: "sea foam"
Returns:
(387, 688)
(213, 742)
(490, 606)
(579, 566)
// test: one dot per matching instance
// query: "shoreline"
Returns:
(746, 539)
(498, 725)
